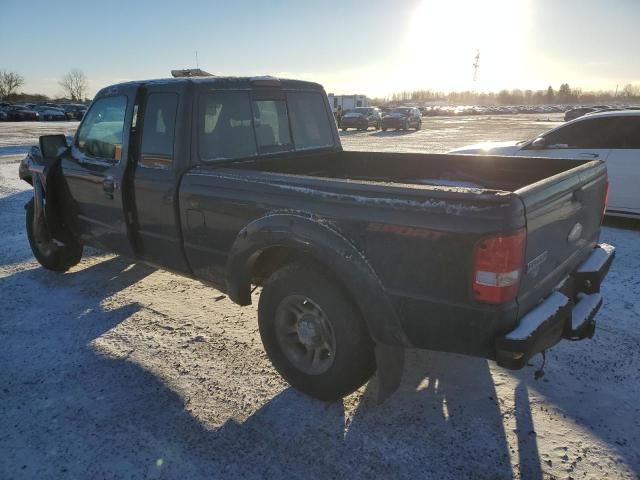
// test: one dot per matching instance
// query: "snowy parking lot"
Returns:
(117, 370)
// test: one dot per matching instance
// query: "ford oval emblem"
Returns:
(575, 233)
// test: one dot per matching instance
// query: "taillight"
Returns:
(497, 267)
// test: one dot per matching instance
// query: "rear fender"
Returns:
(324, 244)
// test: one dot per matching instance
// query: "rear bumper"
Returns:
(567, 313)
(394, 123)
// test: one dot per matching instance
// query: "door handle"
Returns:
(109, 187)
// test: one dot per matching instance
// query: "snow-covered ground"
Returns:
(116, 370)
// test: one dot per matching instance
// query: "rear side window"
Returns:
(309, 121)
(628, 135)
(591, 133)
(100, 134)
(225, 129)
(158, 130)
(271, 123)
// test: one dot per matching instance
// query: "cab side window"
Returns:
(225, 129)
(309, 121)
(158, 131)
(100, 135)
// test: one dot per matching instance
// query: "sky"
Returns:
(374, 47)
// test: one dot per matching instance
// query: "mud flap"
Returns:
(390, 366)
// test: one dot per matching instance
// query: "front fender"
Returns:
(323, 243)
(41, 174)
(31, 160)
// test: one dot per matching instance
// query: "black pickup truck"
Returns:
(242, 182)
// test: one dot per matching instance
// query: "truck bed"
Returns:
(416, 219)
(440, 170)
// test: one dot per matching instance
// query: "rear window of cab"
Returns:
(232, 125)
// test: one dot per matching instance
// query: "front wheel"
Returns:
(313, 334)
(52, 255)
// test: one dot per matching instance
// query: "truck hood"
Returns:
(491, 148)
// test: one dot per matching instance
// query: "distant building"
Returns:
(347, 102)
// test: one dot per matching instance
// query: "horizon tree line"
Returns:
(564, 95)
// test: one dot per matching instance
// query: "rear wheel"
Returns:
(313, 334)
(419, 125)
(52, 255)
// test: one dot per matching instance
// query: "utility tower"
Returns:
(476, 65)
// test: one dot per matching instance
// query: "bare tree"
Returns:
(75, 84)
(630, 90)
(10, 82)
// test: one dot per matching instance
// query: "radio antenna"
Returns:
(476, 66)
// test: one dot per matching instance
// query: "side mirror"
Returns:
(52, 145)
(538, 144)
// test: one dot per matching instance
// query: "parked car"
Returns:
(240, 182)
(3, 115)
(613, 137)
(361, 118)
(402, 118)
(18, 113)
(580, 111)
(74, 111)
(50, 113)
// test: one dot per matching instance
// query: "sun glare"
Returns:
(444, 36)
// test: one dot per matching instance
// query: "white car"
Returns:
(613, 137)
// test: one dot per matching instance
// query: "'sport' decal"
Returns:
(405, 231)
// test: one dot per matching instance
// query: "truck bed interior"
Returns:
(464, 171)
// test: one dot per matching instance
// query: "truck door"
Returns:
(160, 159)
(94, 169)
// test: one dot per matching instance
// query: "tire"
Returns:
(418, 126)
(303, 294)
(405, 125)
(344, 129)
(58, 258)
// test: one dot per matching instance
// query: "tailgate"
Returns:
(563, 216)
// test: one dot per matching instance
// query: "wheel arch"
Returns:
(270, 242)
